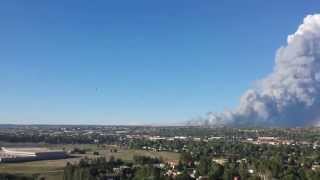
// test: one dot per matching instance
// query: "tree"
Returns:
(183, 176)
(216, 171)
(290, 177)
(227, 174)
(185, 158)
(203, 167)
(243, 171)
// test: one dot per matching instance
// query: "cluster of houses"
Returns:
(269, 140)
(278, 141)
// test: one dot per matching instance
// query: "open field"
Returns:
(124, 154)
(52, 169)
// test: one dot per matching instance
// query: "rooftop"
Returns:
(29, 150)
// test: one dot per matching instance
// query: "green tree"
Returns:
(216, 171)
(203, 167)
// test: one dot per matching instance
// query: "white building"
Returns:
(29, 154)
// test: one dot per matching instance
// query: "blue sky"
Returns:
(136, 62)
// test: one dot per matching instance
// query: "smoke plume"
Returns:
(290, 95)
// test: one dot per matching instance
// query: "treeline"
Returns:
(101, 169)
(59, 139)
(26, 135)
(4, 176)
(295, 134)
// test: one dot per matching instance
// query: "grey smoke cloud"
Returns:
(290, 95)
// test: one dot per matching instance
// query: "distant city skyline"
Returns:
(136, 62)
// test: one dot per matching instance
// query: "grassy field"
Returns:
(124, 154)
(52, 169)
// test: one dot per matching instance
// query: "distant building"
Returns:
(315, 167)
(268, 140)
(220, 161)
(29, 154)
(172, 163)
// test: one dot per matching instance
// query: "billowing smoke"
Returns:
(290, 95)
